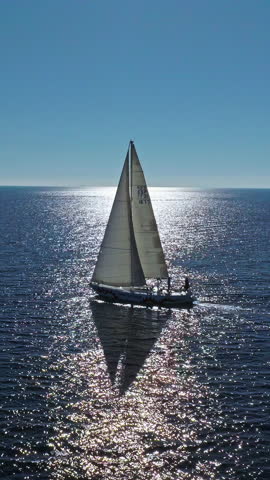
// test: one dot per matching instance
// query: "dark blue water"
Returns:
(90, 390)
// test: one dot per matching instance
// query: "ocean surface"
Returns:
(90, 390)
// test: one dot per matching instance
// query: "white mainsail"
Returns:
(118, 261)
(144, 224)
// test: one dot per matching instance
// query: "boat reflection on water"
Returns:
(127, 337)
(132, 405)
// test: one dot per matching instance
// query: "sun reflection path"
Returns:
(153, 431)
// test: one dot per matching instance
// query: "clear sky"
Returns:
(189, 80)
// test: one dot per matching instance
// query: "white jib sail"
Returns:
(118, 261)
(145, 228)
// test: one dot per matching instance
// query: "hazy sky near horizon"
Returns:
(187, 79)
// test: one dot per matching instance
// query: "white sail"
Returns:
(145, 228)
(118, 261)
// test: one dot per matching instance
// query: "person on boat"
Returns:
(186, 284)
(169, 286)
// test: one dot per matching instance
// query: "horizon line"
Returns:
(150, 186)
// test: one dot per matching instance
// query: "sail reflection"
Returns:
(165, 424)
(127, 337)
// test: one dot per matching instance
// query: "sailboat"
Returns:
(131, 252)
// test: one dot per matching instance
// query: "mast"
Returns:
(130, 176)
(130, 209)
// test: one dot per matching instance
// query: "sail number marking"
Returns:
(142, 194)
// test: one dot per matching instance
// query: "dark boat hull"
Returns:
(143, 296)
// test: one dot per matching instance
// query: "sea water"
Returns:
(90, 390)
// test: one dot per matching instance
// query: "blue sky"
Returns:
(189, 80)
